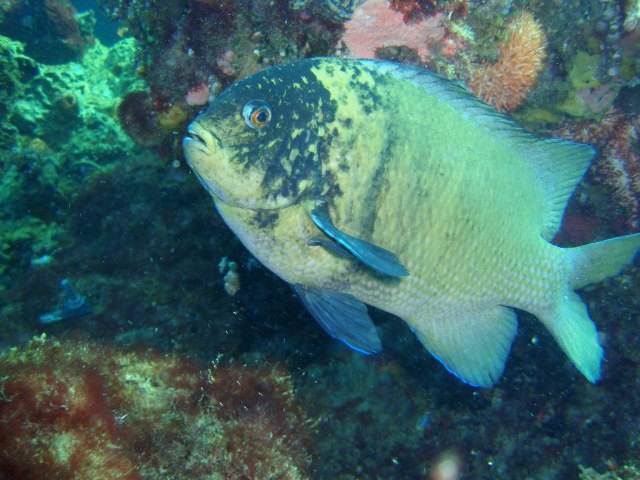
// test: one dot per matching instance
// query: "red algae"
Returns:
(55, 422)
(75, 409)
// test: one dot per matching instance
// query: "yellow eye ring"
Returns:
(260, 117)
(256, 113)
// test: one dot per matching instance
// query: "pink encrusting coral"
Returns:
(198, 94)
(374, 25)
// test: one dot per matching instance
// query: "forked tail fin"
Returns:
(569, 321)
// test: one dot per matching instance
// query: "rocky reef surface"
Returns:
(94, 191)
(77, 409)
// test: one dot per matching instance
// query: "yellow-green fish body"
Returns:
(364, 182)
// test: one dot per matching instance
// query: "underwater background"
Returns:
(140, 340)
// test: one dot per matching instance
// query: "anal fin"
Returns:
(341, 316)
(471, 345)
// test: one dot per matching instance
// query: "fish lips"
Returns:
(198, 139)
(202, 143)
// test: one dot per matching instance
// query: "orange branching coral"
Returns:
(505, 84)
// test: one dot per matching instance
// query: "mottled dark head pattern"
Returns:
(258, 144)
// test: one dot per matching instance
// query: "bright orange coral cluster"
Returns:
(505, 83)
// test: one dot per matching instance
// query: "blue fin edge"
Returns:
(341, 316)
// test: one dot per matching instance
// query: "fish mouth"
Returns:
(199, 145)
(199, 138)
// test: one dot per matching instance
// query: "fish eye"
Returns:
(256, 113)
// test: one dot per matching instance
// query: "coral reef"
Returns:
(416, 10)
(500, 53)
(187, 43)
(190, 49)
(332, 10)
(51, 29)
(355, 398)
(374, 26)
(505, 83)
(626, 472)
(617, 168)
(592, 59)
(590, 96)
(631, 15)
(67, 104)
(80, 200)
(139, 118)
(75, 409)
(57, 128)
(15, 70)
(150, 125)
(137, 237)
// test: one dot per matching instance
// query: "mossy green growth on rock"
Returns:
(631, 15)
(615, 472)
(15, 69)
(584, 72)
(589, 103)
(630, 69)
(57, 127)
(537, 117)
(65, 105)
(587, 97)
(25, 238)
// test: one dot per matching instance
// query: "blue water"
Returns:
(105, 30)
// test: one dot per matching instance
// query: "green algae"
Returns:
(584, 70)
(58, 126)
(15, 69)
(65, 105)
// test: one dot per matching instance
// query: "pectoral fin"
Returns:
(341, 316)
(330, 245)
(381, 260)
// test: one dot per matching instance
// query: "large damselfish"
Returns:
(366, 182)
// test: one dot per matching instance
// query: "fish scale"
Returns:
(381, 184)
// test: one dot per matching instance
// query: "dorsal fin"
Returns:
(560, 164)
